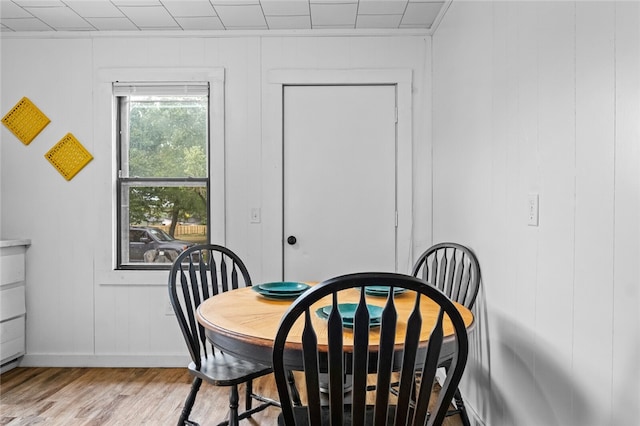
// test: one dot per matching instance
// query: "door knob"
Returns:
(292, 240)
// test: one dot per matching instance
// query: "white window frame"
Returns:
(125, 180)
(105, 272)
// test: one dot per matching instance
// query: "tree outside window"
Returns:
(163, 173)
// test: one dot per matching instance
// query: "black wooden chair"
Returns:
(454, 270)
(201, 272)
(412, 404)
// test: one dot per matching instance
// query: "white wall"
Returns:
(76, 316)
(544, 97)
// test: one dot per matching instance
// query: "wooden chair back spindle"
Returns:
(453, 269)
(362, 359)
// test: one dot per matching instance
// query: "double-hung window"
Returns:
(162, 133)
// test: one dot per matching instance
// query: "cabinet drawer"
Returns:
(12, 339)
(12, 302)
(11, 330)
(12, 268)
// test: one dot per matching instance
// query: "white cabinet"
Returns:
(12, 301)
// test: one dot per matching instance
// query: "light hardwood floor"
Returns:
(119, 396)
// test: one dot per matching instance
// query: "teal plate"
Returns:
(381, 290)
(287, 287)
(348, 311)
(277, 296)
(348, 322)
(280, 290)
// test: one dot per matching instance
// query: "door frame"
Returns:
(272, 155)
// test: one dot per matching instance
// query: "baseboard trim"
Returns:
(107, 361)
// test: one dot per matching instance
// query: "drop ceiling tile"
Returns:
(378, 21)
(381, 7)
(420, 14)
(285, 7)
(235, 2)
(112, 24)
(125, 3)
(289, 22)
(152, 28)
(60, 18)
(189, 8)
(327, 14)
(247, 16)
(94, 9)
(334, 1)
(148, 17)
(200, 23)
(333, 27)
(244, 28)
(26, 24)
(11, 10)
(38, 3)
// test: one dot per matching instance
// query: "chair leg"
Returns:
(457, 399)
(461, 408)
(188, 404)
(233, 406)
(295, 395)
(234, 400)
(248, 393)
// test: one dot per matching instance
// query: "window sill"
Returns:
(135, 277)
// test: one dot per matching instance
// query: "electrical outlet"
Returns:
(533, 210)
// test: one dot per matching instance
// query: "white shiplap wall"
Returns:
(544, 97)
(78, 314)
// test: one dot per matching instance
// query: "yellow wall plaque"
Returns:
(68, 156)
(25, 120)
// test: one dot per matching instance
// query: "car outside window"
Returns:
(160, 234)
(162, 172)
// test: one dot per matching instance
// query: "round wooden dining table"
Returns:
(243, 323)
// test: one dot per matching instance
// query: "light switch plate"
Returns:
(255, 215)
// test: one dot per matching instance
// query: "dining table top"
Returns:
(244, 323)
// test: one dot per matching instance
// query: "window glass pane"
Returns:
(167, 136)
(163, 175)
(159, 222)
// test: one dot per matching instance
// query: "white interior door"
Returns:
(339, 183)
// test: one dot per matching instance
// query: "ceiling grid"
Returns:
(218, 15)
